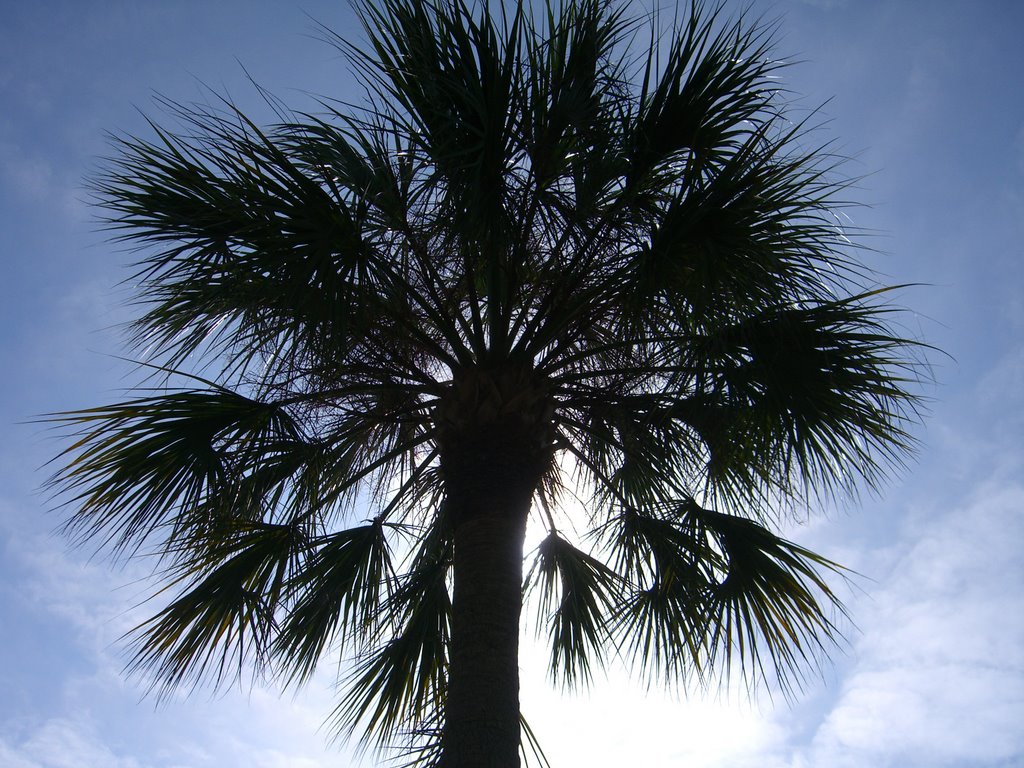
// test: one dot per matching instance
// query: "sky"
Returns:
(926, 98)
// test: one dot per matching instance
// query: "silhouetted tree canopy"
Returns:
(565, 264)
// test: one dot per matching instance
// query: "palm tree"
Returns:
(563, 267)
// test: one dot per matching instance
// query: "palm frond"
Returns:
(715, 593)
(396, 689)
(224, 618)
(135, 466)
(577, 596)
(337, 595)
(807, 396)
(774, 603)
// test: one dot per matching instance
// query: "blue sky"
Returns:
(928, 100)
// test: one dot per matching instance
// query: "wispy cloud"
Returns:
(98, 719)
(938, 678)
(60, 743)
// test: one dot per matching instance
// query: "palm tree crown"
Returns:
(535, 274)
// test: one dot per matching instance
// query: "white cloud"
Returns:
(60, 743)
(98, 719)
(939, 672)
(83, 593)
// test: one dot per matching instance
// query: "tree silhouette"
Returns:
(536, 276)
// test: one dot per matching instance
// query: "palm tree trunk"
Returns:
(496, 436)
(482, 712)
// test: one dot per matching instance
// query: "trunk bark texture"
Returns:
(482, 713)
(495, 435)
